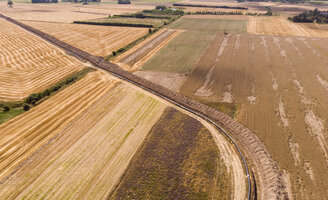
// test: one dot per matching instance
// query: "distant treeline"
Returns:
(124, 2)
(80, 1)
(209, 6)
(44, 1)
(311, 16)
(114, 24)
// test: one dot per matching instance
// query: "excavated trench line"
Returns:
(269, 181)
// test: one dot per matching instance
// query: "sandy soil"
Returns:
(291, 101)
(169, 80)
(85, 155)
(281, 26)
(66, 12)
(97, 40)
(29, 64)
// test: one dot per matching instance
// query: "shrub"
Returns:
(6, 108)
(26, 107)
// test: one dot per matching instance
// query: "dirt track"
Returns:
(268, 176)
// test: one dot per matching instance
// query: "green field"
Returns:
(5, 116)
(179, 160)
(211, 25)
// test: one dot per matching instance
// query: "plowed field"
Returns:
(77, 144)
(29, 64)
(280, 87)
(97, 40)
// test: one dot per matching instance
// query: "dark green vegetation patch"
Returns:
(179, 160)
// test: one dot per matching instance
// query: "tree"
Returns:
(10, 3)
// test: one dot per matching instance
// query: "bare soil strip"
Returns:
(137, 55)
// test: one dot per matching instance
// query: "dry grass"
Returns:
(29, 64)
(97, 40)
(87, 140)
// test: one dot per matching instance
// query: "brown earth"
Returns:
(29, 64)
(279, 87)
(97, 40)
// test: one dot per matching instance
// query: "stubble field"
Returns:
(29, 64)
(279, 85)
(80, 147)
(97, 40)
(281, 26)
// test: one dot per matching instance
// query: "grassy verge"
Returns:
(10, 110)
(179, 160)
(5, 116)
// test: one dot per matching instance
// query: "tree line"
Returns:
(311, 16)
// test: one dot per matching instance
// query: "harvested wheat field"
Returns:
(280, 88)
(80, 147)
(281, 26)
(29, 64)
(97, 40)
(66, 12)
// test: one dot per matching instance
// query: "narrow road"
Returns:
(269, 181)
